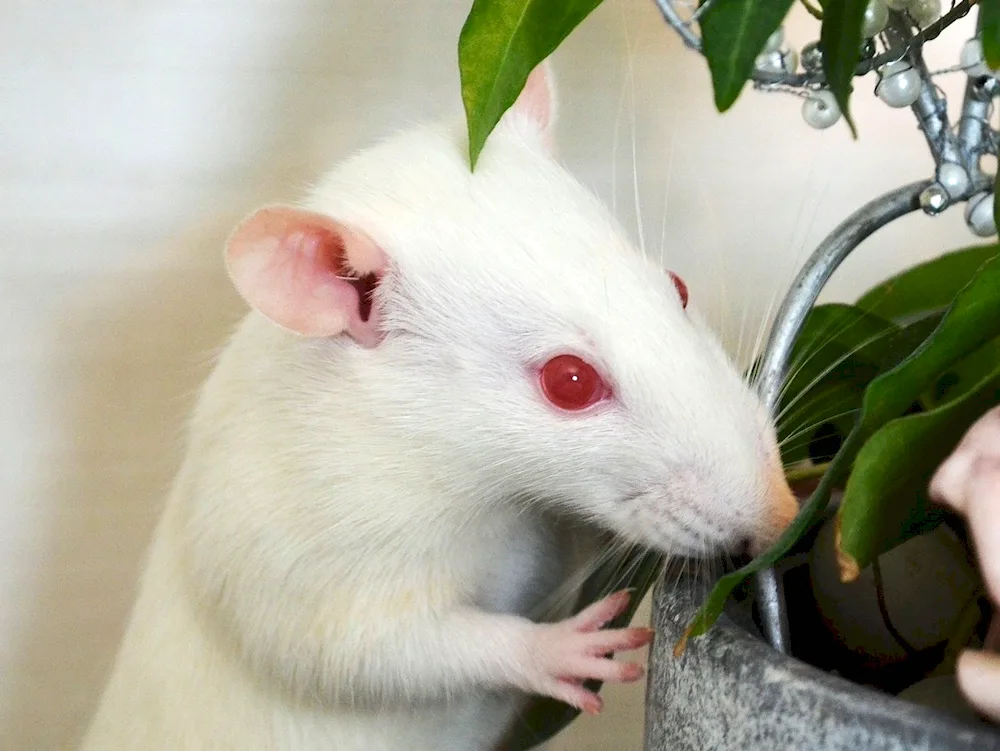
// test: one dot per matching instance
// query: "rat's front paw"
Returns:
(569, 652)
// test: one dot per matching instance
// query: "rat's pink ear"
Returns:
(307, 272)
(536, 104)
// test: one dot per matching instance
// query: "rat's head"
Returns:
(501, 322)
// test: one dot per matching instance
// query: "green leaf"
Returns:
(989, 19)
(544, 717)
(928, 286)
(841, 348)
(996, 199)
(841, 41)
(963, 375)
(733, 34)
(501, 42)
(835, 356)
(971, 322)
(885, 502)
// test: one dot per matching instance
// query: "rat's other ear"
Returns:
(536, 105)
(307, 272)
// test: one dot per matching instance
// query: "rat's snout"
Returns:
(780, 508)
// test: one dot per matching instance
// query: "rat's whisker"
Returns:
(788, 442)
(823, 338)
(630, 58)
(815, 349)
(805, 428)
(826, 371)
(799, 232)
(666, 194)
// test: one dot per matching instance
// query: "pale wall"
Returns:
(134, 134)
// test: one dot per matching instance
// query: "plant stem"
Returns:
(958, 10)
(812, 472)
(812, 10)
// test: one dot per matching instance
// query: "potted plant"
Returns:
(845, 632)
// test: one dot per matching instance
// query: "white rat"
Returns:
(438, 364)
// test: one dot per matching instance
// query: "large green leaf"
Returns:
(989, 19)
(996, 199)
(733, 33)
(885, 502)
(501, 42)
(928, 286)
(963, 376)
(841, 40)
(971, 322)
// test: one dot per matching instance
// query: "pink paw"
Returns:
(575, 650)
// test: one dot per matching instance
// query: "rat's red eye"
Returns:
(682, 288)
(570, 383)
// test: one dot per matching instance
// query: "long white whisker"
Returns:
(632, 127)
(800, 229)
(825, 336)
(785, 442)
(713, 224)
(826, 371)
(666, 195)
(765, 324)
(615, 140)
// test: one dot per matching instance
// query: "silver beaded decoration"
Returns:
(898, 30)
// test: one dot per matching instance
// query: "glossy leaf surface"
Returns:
(501, 42)
(733, 34)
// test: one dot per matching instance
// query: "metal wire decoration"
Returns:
(896, 32)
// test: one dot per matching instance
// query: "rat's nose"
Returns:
(780, 508)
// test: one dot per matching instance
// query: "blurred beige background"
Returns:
(134, 134)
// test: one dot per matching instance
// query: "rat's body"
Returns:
(366, 512)
(178, 660)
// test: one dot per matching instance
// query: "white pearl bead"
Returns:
(899, 5)
(925, 12)
(774, 42)
(953, 178)
(900, 84)
(979, 215)
(820, 109)
(971, 58)
(875, 19)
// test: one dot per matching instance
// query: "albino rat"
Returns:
(437, 364)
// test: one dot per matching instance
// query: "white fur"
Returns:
(356, 533)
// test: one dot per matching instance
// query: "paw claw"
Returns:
(593, 704)
(601, 612)
(643, 636)
(632, 671)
